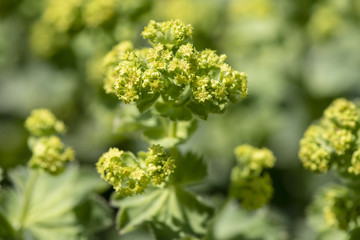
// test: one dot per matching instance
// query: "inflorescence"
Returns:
(339, 208)
(333, 143)
(334, 140)
(173, 71)
(49, 153)
(130, 175)
(250, 184)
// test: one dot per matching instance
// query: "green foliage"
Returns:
(299, 54)
(170, 83)
(170, 210)
(234, 222)
(250, 184)
(155, 129)
(190, 169)
(170, 134)
(35, 209)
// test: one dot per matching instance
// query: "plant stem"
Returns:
(173, 129)
(27, 196)
(164, 123)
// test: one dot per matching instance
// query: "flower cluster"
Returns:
(173, 72)
(333, 140)
(49, 153)
(170, 33)
(129, 174)
(61, 21)
(339, 208)
(42, 122)
(250, 184)
(158, 164)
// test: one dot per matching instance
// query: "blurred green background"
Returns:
(299, 55)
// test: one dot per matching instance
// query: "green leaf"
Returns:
(355, 234)
(198, 110)
(233, 222)
(190, 169)
(216, 107)
(161, 232)
(129, 119)
(146, 101)
(174, 112)
(160, 135)
(174, 93)
(137, 210)
(42, 206)
(170, 210)
(93, 214)
(6, 230)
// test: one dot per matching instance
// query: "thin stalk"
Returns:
(28, 192)
(172, 129)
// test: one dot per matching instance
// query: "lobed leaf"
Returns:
(172, 210)
(50, 213)
(234, 222)
(190, 169)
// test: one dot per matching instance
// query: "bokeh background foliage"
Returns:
(299, 55)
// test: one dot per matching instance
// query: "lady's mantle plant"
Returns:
(333, 143)
(172, 85)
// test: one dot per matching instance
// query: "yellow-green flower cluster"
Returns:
(339, 207)
(159, 165)
(121, 170)
(250, 184)
(96, 12)
(49, 153)
(332, 141)
(61, 21)
(173, 70)
(51, 31)
(118, 53)
(170, 33)
(42, 122)
(129, 174)
(330, 19)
